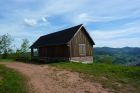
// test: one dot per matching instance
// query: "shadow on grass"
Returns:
(42, 62)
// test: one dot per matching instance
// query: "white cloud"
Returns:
(33, 13)
(44, 19)
(62, 6)
(86, 18)
(128, 36)
(19, 33)
(34, 22)
(82, 18)
(104, 11)
(30, 22)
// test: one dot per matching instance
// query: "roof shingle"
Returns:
(57, 38)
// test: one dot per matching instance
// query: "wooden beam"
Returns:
(32, 52)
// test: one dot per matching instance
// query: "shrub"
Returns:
(23, 57)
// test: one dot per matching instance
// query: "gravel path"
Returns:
(47, 79)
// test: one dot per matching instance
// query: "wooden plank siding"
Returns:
(54, 51)
(80, 38)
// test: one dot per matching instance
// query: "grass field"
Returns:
(11, 81)
(6, 60)
(117, 78)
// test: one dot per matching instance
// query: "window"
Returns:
(82, 49)
(35, 52)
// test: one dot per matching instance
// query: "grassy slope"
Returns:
(11, 81)
(117, 78)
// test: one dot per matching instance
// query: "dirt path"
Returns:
(47, 79)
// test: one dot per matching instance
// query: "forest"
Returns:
(121, 56)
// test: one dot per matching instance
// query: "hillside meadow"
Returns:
(119, 79)
(116, 78)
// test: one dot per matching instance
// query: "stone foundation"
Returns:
(87, 59)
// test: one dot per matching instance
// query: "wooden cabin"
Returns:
(72, 44)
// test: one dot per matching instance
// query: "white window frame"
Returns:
(82, 49)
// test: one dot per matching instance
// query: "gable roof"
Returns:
(58, 38)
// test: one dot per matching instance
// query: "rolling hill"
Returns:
(124, 56)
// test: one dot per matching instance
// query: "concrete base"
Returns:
(87, 59)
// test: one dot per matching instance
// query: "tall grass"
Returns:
(11, 81)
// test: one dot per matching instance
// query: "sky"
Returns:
(110, 23)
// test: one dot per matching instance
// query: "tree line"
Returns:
(7, 50)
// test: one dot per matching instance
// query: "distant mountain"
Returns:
(138, 64)
(125, 56)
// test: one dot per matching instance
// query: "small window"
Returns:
(36, 52)
(82, 49)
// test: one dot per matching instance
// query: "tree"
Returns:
(23, 54)
(25, 46)
(5, 44)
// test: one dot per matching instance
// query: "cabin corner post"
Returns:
(32, 53)
(92, 53)
(69, 50)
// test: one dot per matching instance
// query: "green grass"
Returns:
(124, 79)
(6, 60)
(11, 81)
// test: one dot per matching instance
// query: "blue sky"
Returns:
(113, 23)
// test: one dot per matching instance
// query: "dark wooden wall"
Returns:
(80, 38)
(54, 51)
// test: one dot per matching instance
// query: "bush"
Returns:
(23, 57)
